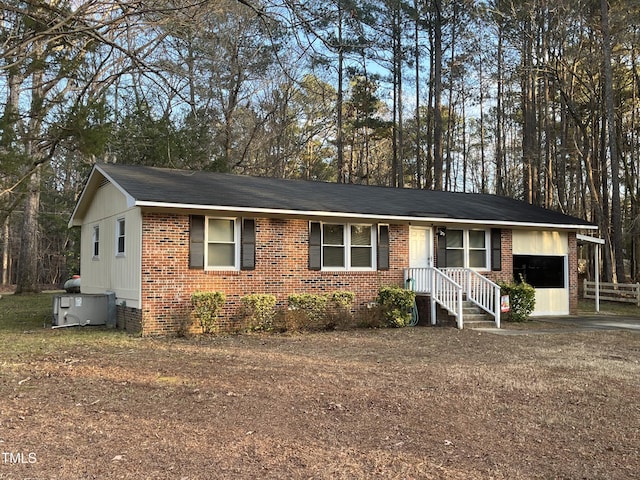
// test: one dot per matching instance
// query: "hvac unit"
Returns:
(73, 310)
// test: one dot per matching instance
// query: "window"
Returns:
(540, 271)
(465, 248)
(120, 236)
(221, 244)
(96, 241)
(455, 248)
(477, 249)
(347, 246)
(361, 246)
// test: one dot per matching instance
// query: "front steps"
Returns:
(474, 317)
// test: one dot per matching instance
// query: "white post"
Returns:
(597, 271)
(432, 273)
(459, 307)
(497, 306)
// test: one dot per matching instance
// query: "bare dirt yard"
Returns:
(413, 403)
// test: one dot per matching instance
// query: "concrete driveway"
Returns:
(581, 323)
(597, 322)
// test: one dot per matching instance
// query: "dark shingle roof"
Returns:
(161, 186)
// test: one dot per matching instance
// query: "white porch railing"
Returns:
(442, 289)
(479, 290)
(446, 287)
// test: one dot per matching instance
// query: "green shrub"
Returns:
(308, 310)
(342, 300)
(395, 305)
(339, 314)
(260, 308)
(206, 307)
(522, 300)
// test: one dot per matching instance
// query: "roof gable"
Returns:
(161, 187)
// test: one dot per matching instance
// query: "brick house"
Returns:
(154, 236)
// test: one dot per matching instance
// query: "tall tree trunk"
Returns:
(429, 167)
(437, 98)
(400, 127)
(616, 214)
(419, 182)
(529, 116)
(27, 278)
(339, 101)
(5, 251)
(27, 281)
(499, 141)
(483, 174)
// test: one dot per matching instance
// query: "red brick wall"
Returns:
(573, 274)
(506, 273)
(281, 269)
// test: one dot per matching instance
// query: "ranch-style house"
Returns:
(155, 235)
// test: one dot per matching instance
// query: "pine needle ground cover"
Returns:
(423, 402)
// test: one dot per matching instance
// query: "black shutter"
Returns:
(441, 249)
(383, 247)
(315, 246)
(248, 244)
(196, 241)
(496, 249)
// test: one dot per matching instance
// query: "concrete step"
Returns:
(473, 324)
(475, 317)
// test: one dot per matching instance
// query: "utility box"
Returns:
(73, 310)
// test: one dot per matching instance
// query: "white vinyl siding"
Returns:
(549, 301)
(112, 273)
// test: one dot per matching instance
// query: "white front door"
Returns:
(420, 247)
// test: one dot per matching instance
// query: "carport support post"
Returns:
(596, 260)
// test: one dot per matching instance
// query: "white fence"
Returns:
(614, 292)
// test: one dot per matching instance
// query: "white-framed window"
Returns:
(222, 243)
(120, 236)
(348, 246)
(467, 248)
(478, 251)
(95, 241)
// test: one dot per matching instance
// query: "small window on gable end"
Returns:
(95, 240)
(120, 236)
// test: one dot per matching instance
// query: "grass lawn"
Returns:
(413, 403)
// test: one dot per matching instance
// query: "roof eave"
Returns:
(383, 218)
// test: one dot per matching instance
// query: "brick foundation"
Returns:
(129, 319)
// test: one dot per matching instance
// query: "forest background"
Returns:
(534, 99)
